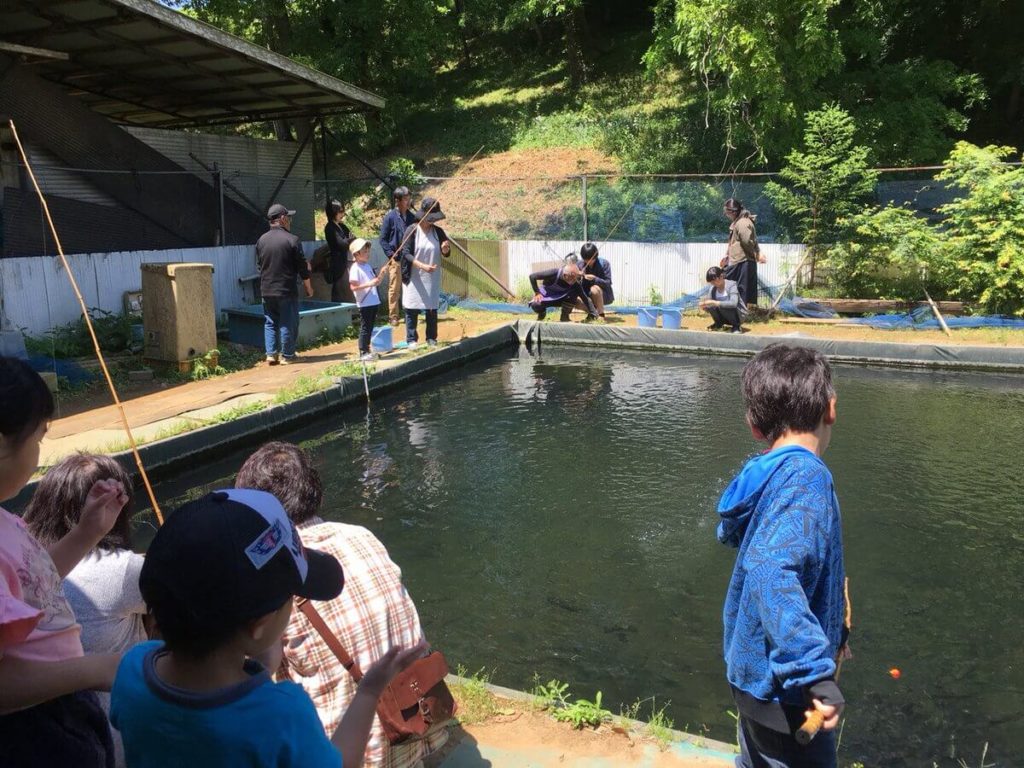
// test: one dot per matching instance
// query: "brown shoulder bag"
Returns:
(415, 699)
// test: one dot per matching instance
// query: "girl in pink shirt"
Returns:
(48, 712)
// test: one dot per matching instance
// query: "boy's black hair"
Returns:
(25, 400)
(182, 630)
(57, 503)
(787, 389)
(588, 251)
(714, 273)
(285, 471)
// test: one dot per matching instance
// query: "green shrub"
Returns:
(892, 253)
(984, 228)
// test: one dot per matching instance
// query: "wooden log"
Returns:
(880, 306)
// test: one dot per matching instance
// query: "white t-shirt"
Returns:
(362, 272)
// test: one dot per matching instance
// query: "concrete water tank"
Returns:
(177, 312)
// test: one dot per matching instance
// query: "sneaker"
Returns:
(271, 359)
(289, 360)
(715, 327)
(366, 357)
(431, 342)
(412, 345)
(736, 330)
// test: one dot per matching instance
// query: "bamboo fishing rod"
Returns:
(88, 324)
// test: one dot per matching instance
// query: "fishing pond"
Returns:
(554, 518)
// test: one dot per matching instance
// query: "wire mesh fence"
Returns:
(102, 210)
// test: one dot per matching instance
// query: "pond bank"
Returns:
(519, 735)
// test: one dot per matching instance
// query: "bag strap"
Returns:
(311, 613)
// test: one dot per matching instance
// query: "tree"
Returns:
(570, 15)
(826, 182)
(758, 64)
(984, 229)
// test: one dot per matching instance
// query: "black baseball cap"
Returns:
(233, 556)
(277, 211)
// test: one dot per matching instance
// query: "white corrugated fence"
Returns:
(37, 295)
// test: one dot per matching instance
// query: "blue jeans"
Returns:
(281, 318)
(761, 747)
(412, 317)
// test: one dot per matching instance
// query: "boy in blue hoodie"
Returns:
(784, 608)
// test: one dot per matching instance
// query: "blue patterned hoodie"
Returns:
(784, 609)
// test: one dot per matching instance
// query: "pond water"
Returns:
(554, 516)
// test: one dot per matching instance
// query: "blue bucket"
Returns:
(380, 341)
(647, 317)
(671, 318)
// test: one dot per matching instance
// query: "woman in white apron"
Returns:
(421, 271)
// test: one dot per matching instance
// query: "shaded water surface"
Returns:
(555, 516)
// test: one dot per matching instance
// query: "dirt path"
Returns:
(528, 739)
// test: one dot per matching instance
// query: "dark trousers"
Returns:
(541, 308)
(761, 747)
(725, 316)
(412, 317)
(69, 731)
(367, 317)
(745, 275)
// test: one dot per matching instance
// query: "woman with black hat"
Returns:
(743, 254)
(421, 271)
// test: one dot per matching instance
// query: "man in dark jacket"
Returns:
(281, 261)
(391, 233)
(596, 274)
(560, 287)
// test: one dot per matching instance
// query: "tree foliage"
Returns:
(826, 181)
(984, 228)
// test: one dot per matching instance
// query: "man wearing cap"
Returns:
(219, 580)
(392, 231)
(281, 261)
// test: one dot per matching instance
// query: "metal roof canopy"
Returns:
(138, 62)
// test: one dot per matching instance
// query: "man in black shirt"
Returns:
(281, 261)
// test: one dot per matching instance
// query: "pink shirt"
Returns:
(36, 622)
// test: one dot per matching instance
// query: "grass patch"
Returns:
(301, 387)
(476, 702)
(352, 369)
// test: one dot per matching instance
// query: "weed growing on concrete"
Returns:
(660, 725)
(301, 387)
(549, 696)
(476, 703)
(349, 369)
(583, 712)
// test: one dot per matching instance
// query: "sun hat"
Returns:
(433, 206)
(357, 245)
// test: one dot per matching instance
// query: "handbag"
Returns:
(414, 701)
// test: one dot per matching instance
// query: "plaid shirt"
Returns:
(372, 613)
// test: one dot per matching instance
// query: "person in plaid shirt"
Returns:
(373, 613)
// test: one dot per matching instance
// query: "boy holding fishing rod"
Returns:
(784, 610)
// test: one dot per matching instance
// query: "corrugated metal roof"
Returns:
(141, 63)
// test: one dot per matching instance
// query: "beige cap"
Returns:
(357, 245)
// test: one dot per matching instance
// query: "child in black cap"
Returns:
(219, 579)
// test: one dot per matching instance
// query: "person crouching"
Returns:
(724, 303)
(560, 287)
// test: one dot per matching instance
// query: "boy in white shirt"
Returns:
(363, 283)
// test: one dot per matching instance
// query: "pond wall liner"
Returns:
(939, 356)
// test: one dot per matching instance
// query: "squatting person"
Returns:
(596, 274)
(560, 287)
(724, 303)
